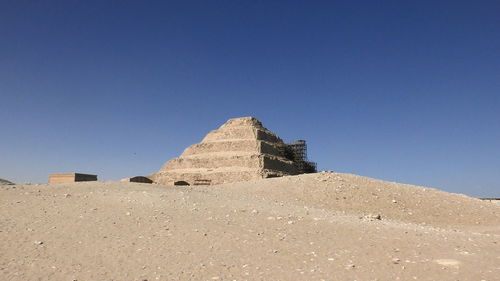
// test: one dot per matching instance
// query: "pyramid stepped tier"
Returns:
(247, 161)
(241, 133)
(208, 178)
(235, 161)
(241, 149)
(236, 146)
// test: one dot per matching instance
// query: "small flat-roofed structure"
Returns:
(71, 177)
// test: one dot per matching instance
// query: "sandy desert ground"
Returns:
(324, 226)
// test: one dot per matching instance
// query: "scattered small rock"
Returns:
(448, 262)
(373, 217)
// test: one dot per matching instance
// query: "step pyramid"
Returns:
(240, 150)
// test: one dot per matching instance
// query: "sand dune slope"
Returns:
(309, 227)
(354, 194)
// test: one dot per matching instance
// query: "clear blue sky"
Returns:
(404, 91)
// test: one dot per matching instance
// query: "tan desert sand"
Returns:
(323, 226)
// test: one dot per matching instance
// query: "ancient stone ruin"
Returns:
(5, 182)
(139, 179)
(240, 150)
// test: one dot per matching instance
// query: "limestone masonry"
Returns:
(240, 150)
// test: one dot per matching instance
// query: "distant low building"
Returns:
(5, 182)
(71, 177)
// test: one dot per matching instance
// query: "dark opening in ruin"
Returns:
(181, 183)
